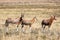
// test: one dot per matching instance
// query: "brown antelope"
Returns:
(28, 22)
(16, 21)
(47, 22)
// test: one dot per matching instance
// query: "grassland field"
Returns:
(29, 13)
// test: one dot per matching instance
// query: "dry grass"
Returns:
(37, 33)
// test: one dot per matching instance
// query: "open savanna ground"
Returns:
(36, 32)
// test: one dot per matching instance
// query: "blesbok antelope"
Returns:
(28, 22)
(47, 22)
(16, 21)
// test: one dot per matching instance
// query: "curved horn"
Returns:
(22, 15)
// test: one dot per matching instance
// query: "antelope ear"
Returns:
(55, 17)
